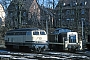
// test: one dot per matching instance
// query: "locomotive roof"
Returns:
(24, 29)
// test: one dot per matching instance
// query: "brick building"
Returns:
(27, 13)
(71, 14)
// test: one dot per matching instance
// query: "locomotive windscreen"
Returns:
(72, 38)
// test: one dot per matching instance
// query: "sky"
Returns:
(41, 2)
(45, 2)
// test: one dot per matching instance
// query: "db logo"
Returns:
(39, 38)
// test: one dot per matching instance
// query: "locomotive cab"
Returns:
(72, 43)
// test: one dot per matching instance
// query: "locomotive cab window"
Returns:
(35, 33)
(42, 33)
(72, 38)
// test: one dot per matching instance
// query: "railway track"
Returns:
(8, 55)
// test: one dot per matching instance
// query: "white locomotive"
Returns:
(26, 38)
(72, 42)
(65, 41)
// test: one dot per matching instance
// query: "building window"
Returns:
(68, 19)
(67, 12)
(83, 3)
(64, 4)
(73, 3)
(24, 13)
(72, 19)
(72, 12)
(83, 11)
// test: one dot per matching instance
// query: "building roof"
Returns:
(73, 3)
(61, 30)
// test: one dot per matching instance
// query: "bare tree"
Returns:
(5, 3)
(51, 3)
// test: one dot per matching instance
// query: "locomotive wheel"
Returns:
(38, 50)
(71, 50)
